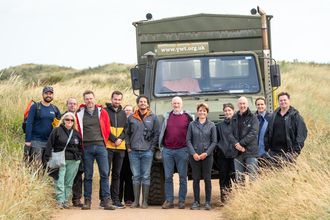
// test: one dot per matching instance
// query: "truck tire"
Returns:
(157, 191)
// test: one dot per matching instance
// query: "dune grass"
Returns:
(301, 191)
(24, 193)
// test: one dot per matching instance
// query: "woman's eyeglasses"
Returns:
(67, 119)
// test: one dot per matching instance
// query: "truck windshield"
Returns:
(208, 74)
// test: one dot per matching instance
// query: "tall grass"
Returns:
(24, 194)
(301, 191)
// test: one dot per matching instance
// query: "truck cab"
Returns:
(207, 58)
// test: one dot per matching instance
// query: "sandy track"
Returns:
(153, 212)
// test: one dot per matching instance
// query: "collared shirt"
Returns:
(180, 113)
(90, 112)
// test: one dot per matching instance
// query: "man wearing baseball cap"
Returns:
(39, 123)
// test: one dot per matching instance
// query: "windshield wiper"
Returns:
(177, 92)
(222, 91)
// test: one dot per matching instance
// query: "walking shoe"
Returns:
(108, 205)
(182, 205)
(119, 205)
(207, 206)
(101, 206)
(59, 205)
(77, 203)
(129, 203)
(87, 204)
(195, 206)
(168, 205)
(66, 205)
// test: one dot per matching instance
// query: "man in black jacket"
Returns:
(286, 132)
(116, 144)
(243, 133)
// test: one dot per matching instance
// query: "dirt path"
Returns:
(153, 212)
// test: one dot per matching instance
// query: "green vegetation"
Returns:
(303, 191)
(26, 195)
(300, 192)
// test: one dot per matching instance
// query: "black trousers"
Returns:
(226, 171)
(126, 184)
(77, 186)
(115, 159)
(202, 167)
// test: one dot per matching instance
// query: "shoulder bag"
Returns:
(58, 158)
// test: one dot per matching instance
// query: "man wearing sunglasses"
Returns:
(39, 123)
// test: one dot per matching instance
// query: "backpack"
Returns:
(27, 110)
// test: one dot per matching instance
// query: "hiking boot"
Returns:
(77, 203)
(118, 205)
(145, 195)
(182, 205)
(66, 205)
(87, 204)
(136, 189)
(59, 205)
(207, 206)
(101, 206)
(195, 206)
(108, 205)
(168, 205)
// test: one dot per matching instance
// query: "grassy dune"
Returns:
(303, 191)
(293, 193)
(23, 194)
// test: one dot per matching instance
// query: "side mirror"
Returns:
(135, 78)
(275, 75)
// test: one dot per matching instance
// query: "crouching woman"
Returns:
(64, 176)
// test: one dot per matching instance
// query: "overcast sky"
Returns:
(82, 34)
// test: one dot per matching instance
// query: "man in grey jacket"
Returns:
(243, 133)
(172, 143)
(142, 139)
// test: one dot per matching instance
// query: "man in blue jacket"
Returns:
(263, 117)
(39, 123)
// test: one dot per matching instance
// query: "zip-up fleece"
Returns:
(249, 135)
(164, 124)
(118, 127)
(295, 129)
(103, 118)
(135, 138)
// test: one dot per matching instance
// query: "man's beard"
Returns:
(45, 99)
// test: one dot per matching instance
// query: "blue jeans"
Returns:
(178, 158)
(100, 154)
(141, 161)
(242, 165)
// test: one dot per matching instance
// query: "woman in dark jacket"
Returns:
(225, 159)
(201, 141)
(64, 176)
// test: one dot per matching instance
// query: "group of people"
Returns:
(123, 141)
(243, 141)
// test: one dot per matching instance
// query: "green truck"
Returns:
(207, 58)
